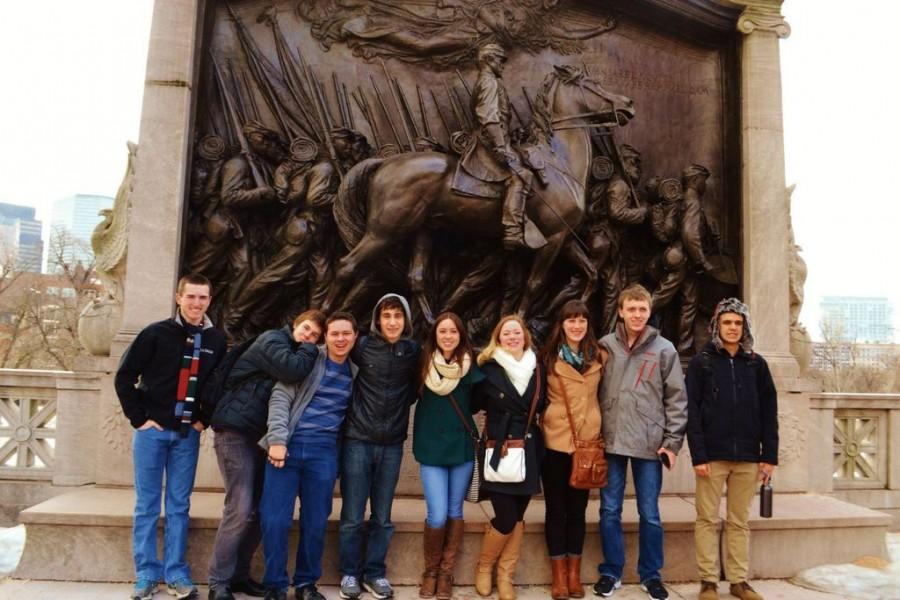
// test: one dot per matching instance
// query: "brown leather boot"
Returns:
(573, 577)
(492, 544)
(559, 589)
(433, 542)
(452, 541)
(743, 591)
(708, 591)
(506, 564)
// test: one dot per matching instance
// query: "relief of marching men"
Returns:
(416, 163)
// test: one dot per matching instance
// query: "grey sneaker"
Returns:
(143, 590)
(379, 587)
(183, 588)
(350, 589)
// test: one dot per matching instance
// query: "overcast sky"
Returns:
(73, 81)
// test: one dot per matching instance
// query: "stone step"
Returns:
(85, 535)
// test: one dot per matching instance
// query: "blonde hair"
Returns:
(494, 342)
(634, 292)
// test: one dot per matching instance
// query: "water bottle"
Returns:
(765, 499)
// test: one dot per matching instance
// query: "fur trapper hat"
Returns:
(732, 305)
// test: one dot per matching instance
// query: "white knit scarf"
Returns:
(518, 371)
(443, 377)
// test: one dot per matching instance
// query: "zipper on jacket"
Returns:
(734, 404)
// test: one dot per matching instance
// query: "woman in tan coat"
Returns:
(572, 360)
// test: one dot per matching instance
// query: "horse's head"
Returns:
(571, 96)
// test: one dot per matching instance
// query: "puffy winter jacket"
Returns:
(385, 387)
(273, 357)
(732, 408)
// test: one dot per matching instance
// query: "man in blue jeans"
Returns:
(376, 426)
(160, 383)
(644, 411)
(302, 442)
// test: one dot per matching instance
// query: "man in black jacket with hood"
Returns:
(733, 436)
(374, 430)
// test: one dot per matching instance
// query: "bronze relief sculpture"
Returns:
(476, 155)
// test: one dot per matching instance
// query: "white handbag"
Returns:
(511, 468)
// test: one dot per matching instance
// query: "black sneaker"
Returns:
(273, 594)
(655, 589)
(308, 592)
(222, 593)
(248, 587)
(606, 586)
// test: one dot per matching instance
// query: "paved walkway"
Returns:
(46, 590)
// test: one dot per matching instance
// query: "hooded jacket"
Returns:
(147, 378)
(273, 356)
(732, 401)
(385, 386)
(642, 395)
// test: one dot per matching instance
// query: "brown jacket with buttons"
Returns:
(581, 389)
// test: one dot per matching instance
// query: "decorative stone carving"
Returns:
(763, 16)
(801, 343)
(117, 432)
(100, 320)
(791, 437)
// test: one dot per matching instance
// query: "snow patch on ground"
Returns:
(875, 582)
(12, 543)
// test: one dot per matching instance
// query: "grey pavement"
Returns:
(49, 590)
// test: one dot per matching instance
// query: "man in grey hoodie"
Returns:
(644, 412)
(376, 426)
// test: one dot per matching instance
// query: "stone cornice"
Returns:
(762, 15)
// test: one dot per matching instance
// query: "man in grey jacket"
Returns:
(644, 411)
(304, 424)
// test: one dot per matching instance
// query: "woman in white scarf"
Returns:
(444, 447)
(513, 385)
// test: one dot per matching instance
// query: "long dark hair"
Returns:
(588, 345)
(464, 348)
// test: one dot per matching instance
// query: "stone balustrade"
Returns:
(854, 443)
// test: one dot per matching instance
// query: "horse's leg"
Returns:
(474, 282)
(586, 281)
(543, 260)
(368, 248)
(420, 257)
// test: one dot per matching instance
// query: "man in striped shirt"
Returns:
(302, 443)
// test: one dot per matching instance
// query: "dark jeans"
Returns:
(508, 510)
(647, 484)
(368, 472)
(308, 473)
(241, 463)
(565, 506)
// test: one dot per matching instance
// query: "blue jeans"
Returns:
(368, 472)
(445, 490)
(159, 454)
(241, 463)
(647, 484)
(308, 473)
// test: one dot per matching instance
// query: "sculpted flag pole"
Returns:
(463, 123)
(347, 107)
(406, 110)
(236, 126)
(363, 104)
(426, 128)
(440, 114)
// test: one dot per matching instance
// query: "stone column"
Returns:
(765, 216)
(161, 168)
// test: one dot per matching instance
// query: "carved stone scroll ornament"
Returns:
(100, 320)
(763, 16)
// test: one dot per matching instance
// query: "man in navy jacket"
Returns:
(733, 436)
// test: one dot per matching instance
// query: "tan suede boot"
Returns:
(708, 591)
(559, 588)
(506, 564)
(433, 542)
(452, 541)
(743, 591)
(492, 544)
(573, 577)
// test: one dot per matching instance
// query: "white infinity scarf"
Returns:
(443, 377)
(518, 371)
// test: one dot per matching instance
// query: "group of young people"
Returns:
(313, 401)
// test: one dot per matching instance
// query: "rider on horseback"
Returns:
(490, 104)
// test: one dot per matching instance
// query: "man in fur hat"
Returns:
(733, 436)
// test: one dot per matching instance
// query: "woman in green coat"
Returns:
(443, 446)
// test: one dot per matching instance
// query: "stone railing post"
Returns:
(161, 169)
(765, 214)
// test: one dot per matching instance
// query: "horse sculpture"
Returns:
(384, 201)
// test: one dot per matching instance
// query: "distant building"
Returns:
(858, 319)
(849, 354)
(20, 234)
(71, 225)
